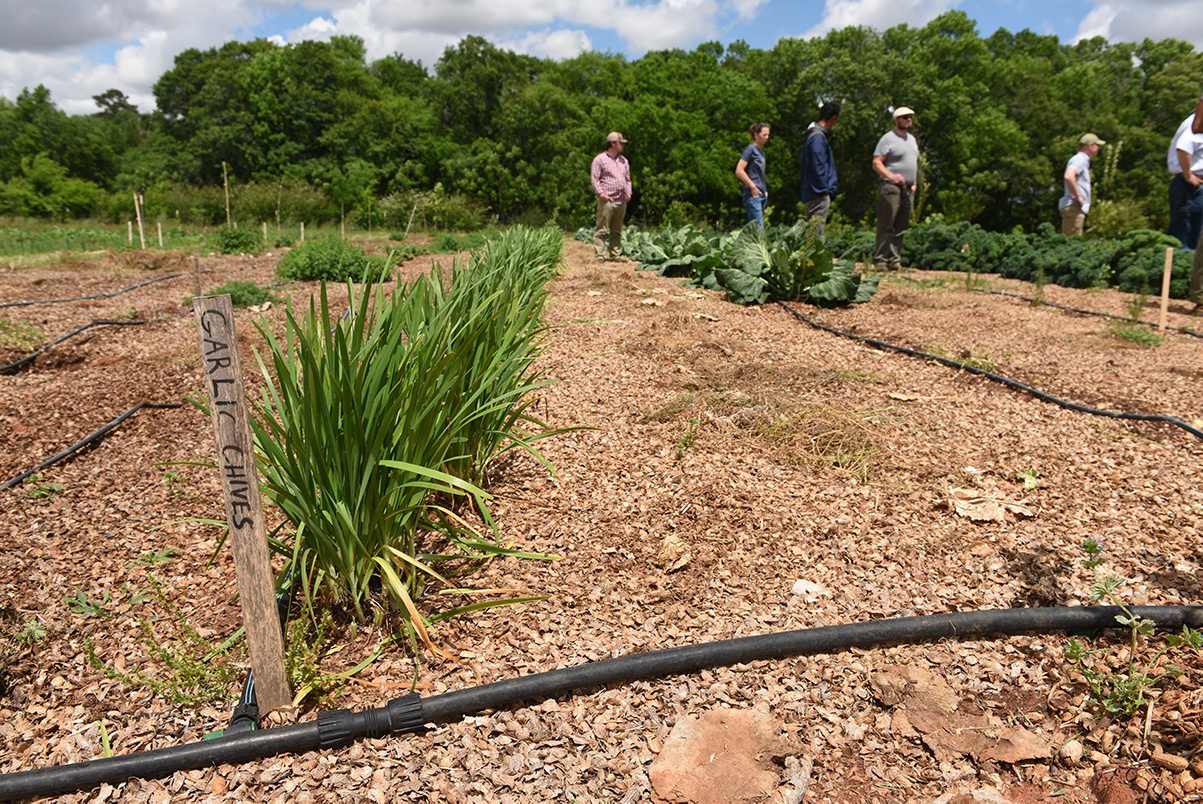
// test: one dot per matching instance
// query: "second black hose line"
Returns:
(411, 713)
(86, 441)
(17, 365)
(999, 378)
(94, 296)
(1080, 310)
(1112, 316)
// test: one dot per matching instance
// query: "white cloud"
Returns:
(47, 42)
(879, 14)
(746, 10)
(423, 29)
(1097, 22)
(1130, 21)
(550, 44)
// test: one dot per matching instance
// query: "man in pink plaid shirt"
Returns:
(612, 185)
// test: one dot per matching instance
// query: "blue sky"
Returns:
(80, 49)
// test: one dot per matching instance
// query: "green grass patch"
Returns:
(20, 336)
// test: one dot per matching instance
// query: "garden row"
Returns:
(1133, 263)
(790, 263)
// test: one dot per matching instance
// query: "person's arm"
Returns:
(595, 173)
(1184, 160)
(879, 165)
(1184, 163)
(1071, 185)
(741, 170)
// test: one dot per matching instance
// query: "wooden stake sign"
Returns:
(244, 509)
(1165, 284)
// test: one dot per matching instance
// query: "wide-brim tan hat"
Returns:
(903, 111)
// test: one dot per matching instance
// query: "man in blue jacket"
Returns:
(819, 181)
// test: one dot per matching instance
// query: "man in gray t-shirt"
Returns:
(896, 161)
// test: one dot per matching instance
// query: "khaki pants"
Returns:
(816, 212)
(893, 219)
(608, 234)
(1073, 220)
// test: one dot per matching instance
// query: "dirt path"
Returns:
(725, 454)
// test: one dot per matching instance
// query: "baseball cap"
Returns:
(1091, 139)
(902, 111)
(614, 136)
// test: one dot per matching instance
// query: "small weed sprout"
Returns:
(688, 438)
(197, 671)
(1040, 281)
(33, 631)
(80, 603)
(1029, 477)
(1132, 331)
(177, 485)
(1121, 692)
(42, 490)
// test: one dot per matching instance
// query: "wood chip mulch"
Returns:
(725, 471)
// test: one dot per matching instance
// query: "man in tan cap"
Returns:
(612, 185)
(896, 161)
(1075, 204)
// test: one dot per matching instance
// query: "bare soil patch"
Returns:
(725, 453)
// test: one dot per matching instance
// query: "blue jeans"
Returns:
(755, 208)
(1186, 212)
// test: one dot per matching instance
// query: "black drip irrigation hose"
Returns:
(14, 367)
(96, 296)
(410, 713)
(1180, 330)
(1007, 381)
(245, 716)
(87, 441)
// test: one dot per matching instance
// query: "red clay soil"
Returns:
(724, 454)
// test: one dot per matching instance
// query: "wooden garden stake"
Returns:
(141, 228)
(1165, 284)
(244, 508)
(160, 225)
(225, 181)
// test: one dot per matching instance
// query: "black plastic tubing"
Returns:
(410, 713)
(86, 441)
(998, 378)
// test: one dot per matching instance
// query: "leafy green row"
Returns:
(375, 425)
(1133, 263)
(752, 265)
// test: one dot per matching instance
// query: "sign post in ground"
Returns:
(244, 508)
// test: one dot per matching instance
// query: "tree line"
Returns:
(315, 131)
